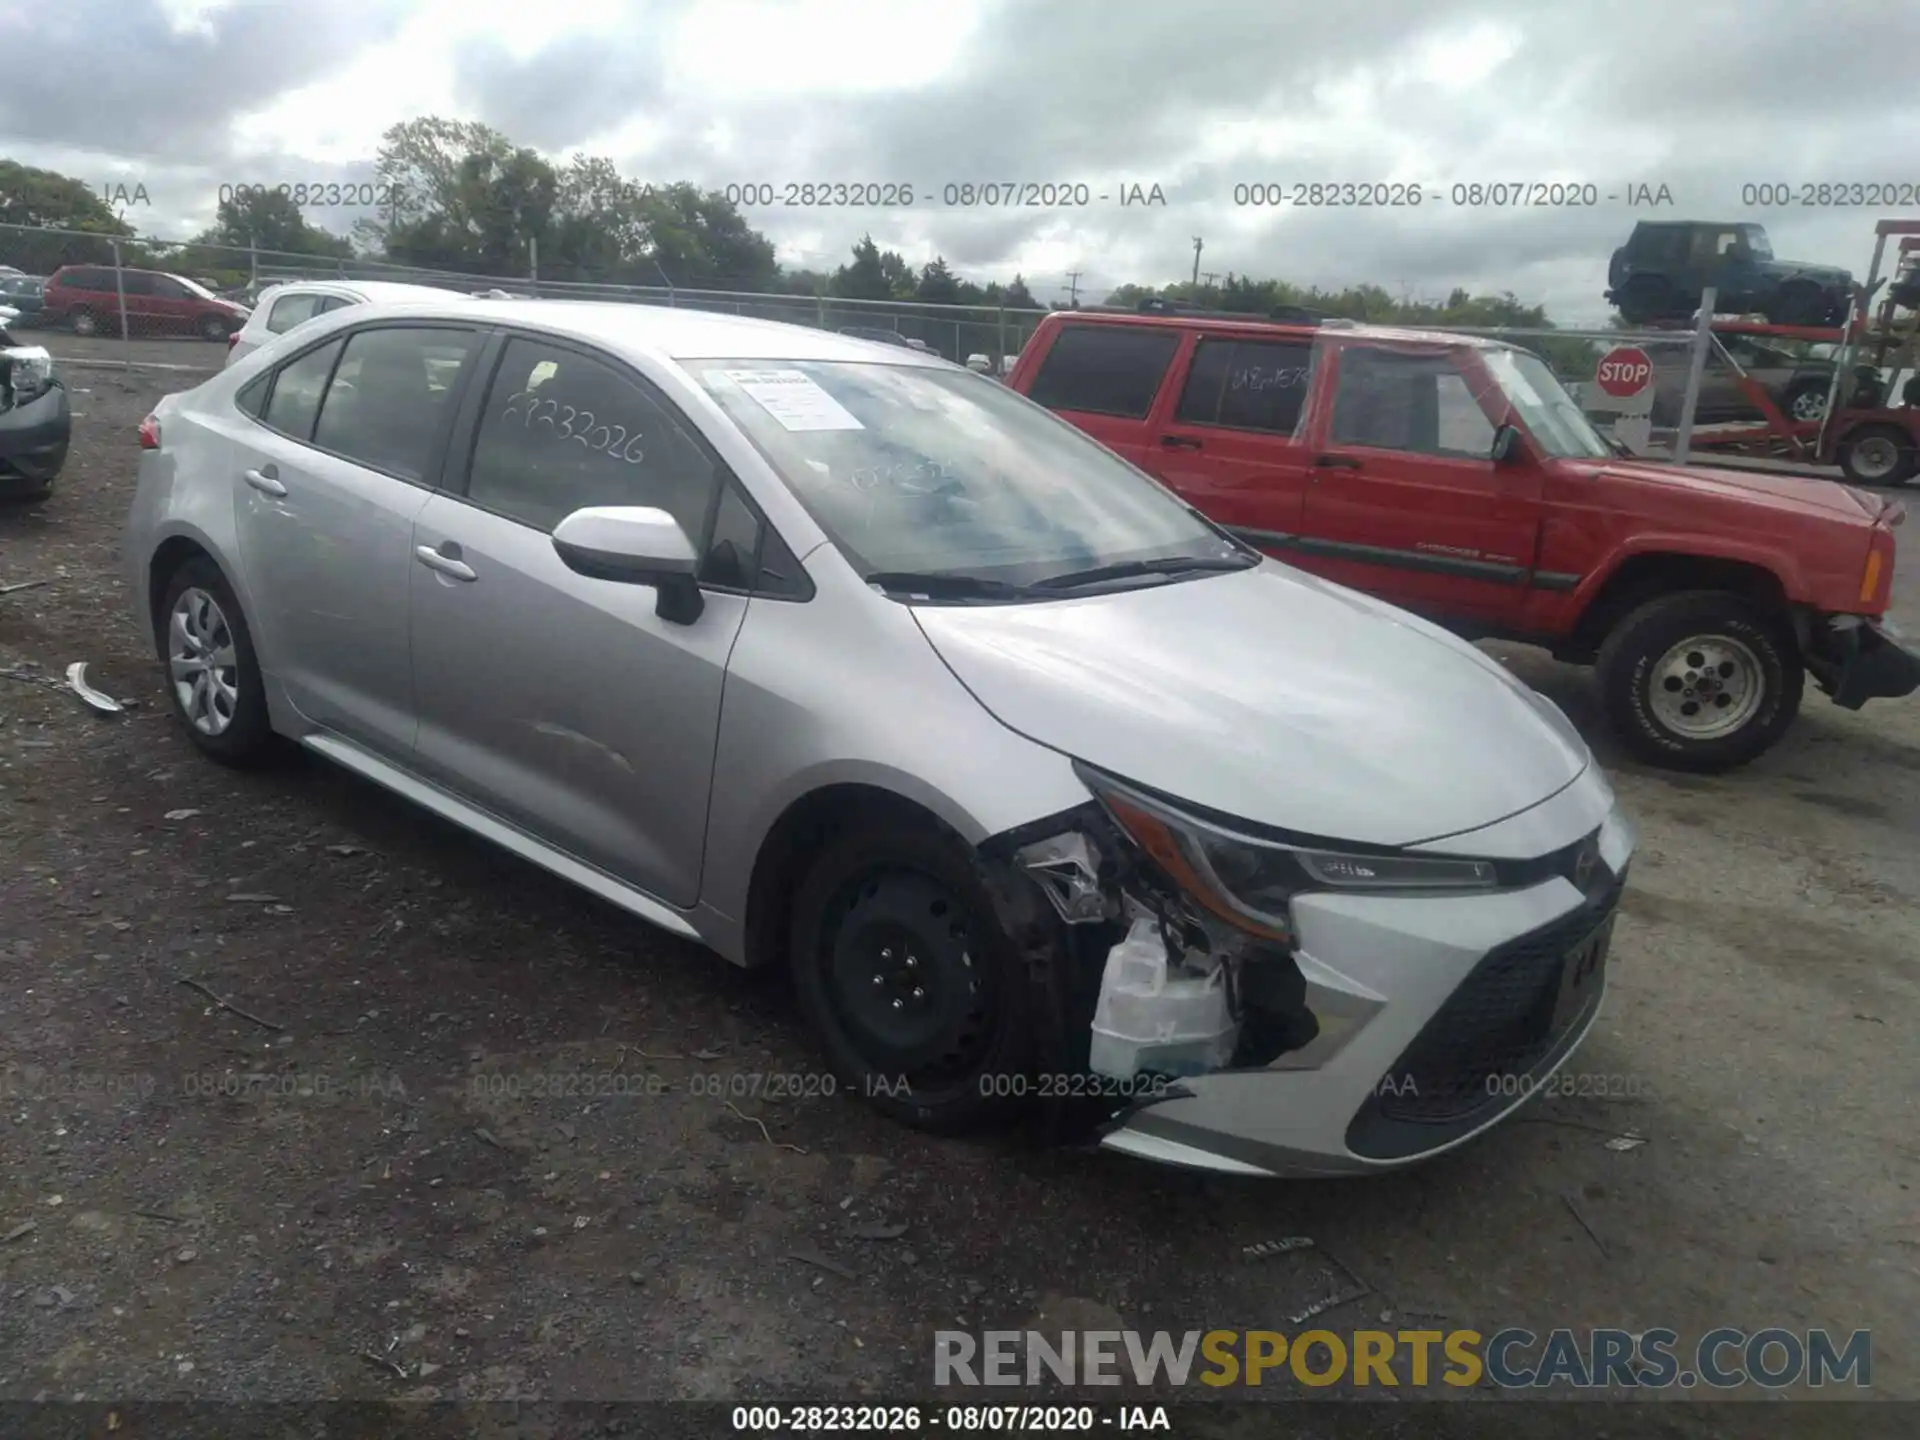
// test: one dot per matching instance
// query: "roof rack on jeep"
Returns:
(1155, 305)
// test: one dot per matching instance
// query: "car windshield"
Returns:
(1757, 244)
(1556, 423)
(195, 286)
(926, 471)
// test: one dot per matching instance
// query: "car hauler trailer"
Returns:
(1871, 433)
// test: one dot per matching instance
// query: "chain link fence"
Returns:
(1646, 409)
(145, 303)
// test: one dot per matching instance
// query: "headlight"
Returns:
(1251, 883)
(26, 370)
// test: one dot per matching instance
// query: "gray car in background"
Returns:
(830, 655)
(1797, 376)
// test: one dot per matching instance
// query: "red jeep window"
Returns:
(1105, 369)
(1247, 385)
(1420, 403)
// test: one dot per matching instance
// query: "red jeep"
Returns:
(1454, 476)
(87, 299)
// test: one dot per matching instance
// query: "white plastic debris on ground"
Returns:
(1153, 1017)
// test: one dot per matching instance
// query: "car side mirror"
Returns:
(1506, 448)
(634, 545)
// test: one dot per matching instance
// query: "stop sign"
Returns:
(1624, 372)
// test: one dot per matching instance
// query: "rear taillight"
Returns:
(150, 433)
(233, 339)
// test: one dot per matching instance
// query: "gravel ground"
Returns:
(348, 1179)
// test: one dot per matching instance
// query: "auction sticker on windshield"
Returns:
(793, 399)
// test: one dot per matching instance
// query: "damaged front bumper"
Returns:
(36, 425)
(1866, 660)
(1427, 1019)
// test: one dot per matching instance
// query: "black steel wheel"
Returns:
(903, 970)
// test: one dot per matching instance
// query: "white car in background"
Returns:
(281, 307)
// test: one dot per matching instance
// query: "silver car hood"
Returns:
(1269, 695)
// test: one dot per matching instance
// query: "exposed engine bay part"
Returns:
(1067, 869)
(1156, 1017)
(1135, 980)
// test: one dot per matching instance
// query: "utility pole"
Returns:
(1197, 244)
(1073, 289)
(1210, 276)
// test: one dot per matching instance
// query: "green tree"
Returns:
(937, 285)
(270, 221)
(865, 278)
(1017, 297)
(47, 199)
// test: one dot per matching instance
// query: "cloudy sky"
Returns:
(1702, 97)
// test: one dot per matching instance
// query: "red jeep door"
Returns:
(1104, 377)
(1225, 435)
(1405, 501)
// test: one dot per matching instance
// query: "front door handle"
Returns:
(265, 481)
(1335, 462)
(1178, 442)
(444, 564)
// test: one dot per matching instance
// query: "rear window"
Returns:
(290, 310)
(1105, 369)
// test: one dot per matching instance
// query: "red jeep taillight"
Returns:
(1876, 579)
(233, 339)
(150, 433)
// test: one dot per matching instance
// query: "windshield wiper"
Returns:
(1128, 569)
(933, 585)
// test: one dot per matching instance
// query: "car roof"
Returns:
(374, 291)
(665, 333)
(1255, 325)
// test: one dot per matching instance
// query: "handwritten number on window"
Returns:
(614, 440)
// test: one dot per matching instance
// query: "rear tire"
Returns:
(213, 675)
(1877, 455)
(1701, 680)
(904, 972)
(1645, 298)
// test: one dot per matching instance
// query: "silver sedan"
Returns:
(836, 656)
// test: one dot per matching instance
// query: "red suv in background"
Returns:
(1455, 477)
(86, 300)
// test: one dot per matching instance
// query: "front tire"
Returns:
(1702, 680)
(1805, 400)
(907, 978)
(1798, 305)
(212, 327)
(83, 323)
(213, 674)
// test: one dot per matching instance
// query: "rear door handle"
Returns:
(445, 564)
(1178, 442)
(1335, 462)
(265, 481)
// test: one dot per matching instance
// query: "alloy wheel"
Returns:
(1707, 686)
(1808, 405)
(202, 664)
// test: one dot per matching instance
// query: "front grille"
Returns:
(1499, 1023)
